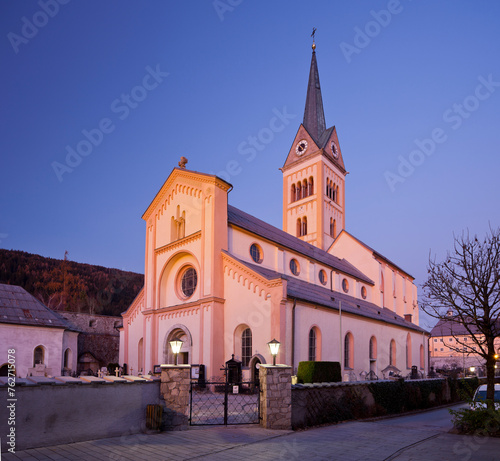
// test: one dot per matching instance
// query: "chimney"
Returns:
(408, 317)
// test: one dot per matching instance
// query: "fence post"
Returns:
(175, 386)
(275, 396)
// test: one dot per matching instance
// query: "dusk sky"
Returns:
(99, 100)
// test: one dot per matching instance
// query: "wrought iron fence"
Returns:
(220, 402)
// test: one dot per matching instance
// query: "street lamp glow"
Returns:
(176, 345)
(472, 369)
(274, 346)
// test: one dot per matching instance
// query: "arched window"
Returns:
(311, 186)
(299, 190)
(349, 351)
(246, 347)
(408, 351)
(293, 193)
(304, 226)
(373, 354)
(38, 355)
(382, 295)
(422, 357)
(392, 353)
(312, 345)
(328, 188)
(373, 348)
(299, 227)
(67, 358)
(140, 355)
(337, 194)
(305, 188)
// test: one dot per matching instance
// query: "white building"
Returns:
(34, 338)
(227, 283)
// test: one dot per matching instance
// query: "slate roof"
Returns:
(18, 307)
(314, 115)
(446, 327)
(252, 224)
(316, 294)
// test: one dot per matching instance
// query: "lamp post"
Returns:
(274, 346)
(176, 345)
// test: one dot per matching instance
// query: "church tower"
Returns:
(314, 174)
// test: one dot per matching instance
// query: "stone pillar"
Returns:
(276, 396)
(174, 389)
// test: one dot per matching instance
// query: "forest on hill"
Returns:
(66, 285)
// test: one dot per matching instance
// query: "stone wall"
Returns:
(276, 396)
(53, 412)
(327, 403)
(175, 386)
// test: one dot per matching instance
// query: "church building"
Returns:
(224, 282)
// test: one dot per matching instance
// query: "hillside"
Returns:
(70, 286)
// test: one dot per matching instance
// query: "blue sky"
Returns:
(394, 74)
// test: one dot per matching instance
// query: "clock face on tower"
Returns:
(301, 147)
(335, 150)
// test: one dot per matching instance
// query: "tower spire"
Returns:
(314, 116)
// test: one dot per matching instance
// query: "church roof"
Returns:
(256, 226)
(17, 306)
(316, 294)
(314, 115)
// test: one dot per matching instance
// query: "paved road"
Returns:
(420, 437)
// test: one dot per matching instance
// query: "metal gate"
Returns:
(222, 402)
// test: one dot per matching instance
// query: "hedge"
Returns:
(319, 372)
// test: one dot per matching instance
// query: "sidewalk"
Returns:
(349, 441)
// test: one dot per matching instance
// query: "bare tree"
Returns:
(464, 290)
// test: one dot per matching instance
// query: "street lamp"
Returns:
(472, 369)
(176, 345)
(274, 346)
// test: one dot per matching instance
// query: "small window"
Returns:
(188, 282)
(256, 253)
(435, 340)
(322, 277)
(345, 286)
(451, 339)
(363, 292)
(92, 323)
(294, 267)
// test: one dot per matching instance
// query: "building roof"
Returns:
(252, 224)
(17, 306)
(314, 115)
(451, 327)
(323, 296)
(375, 253)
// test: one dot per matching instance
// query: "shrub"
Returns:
(319, 372)
(484, 421)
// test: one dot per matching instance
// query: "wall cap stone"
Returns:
(168, 366)
(280, 366)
